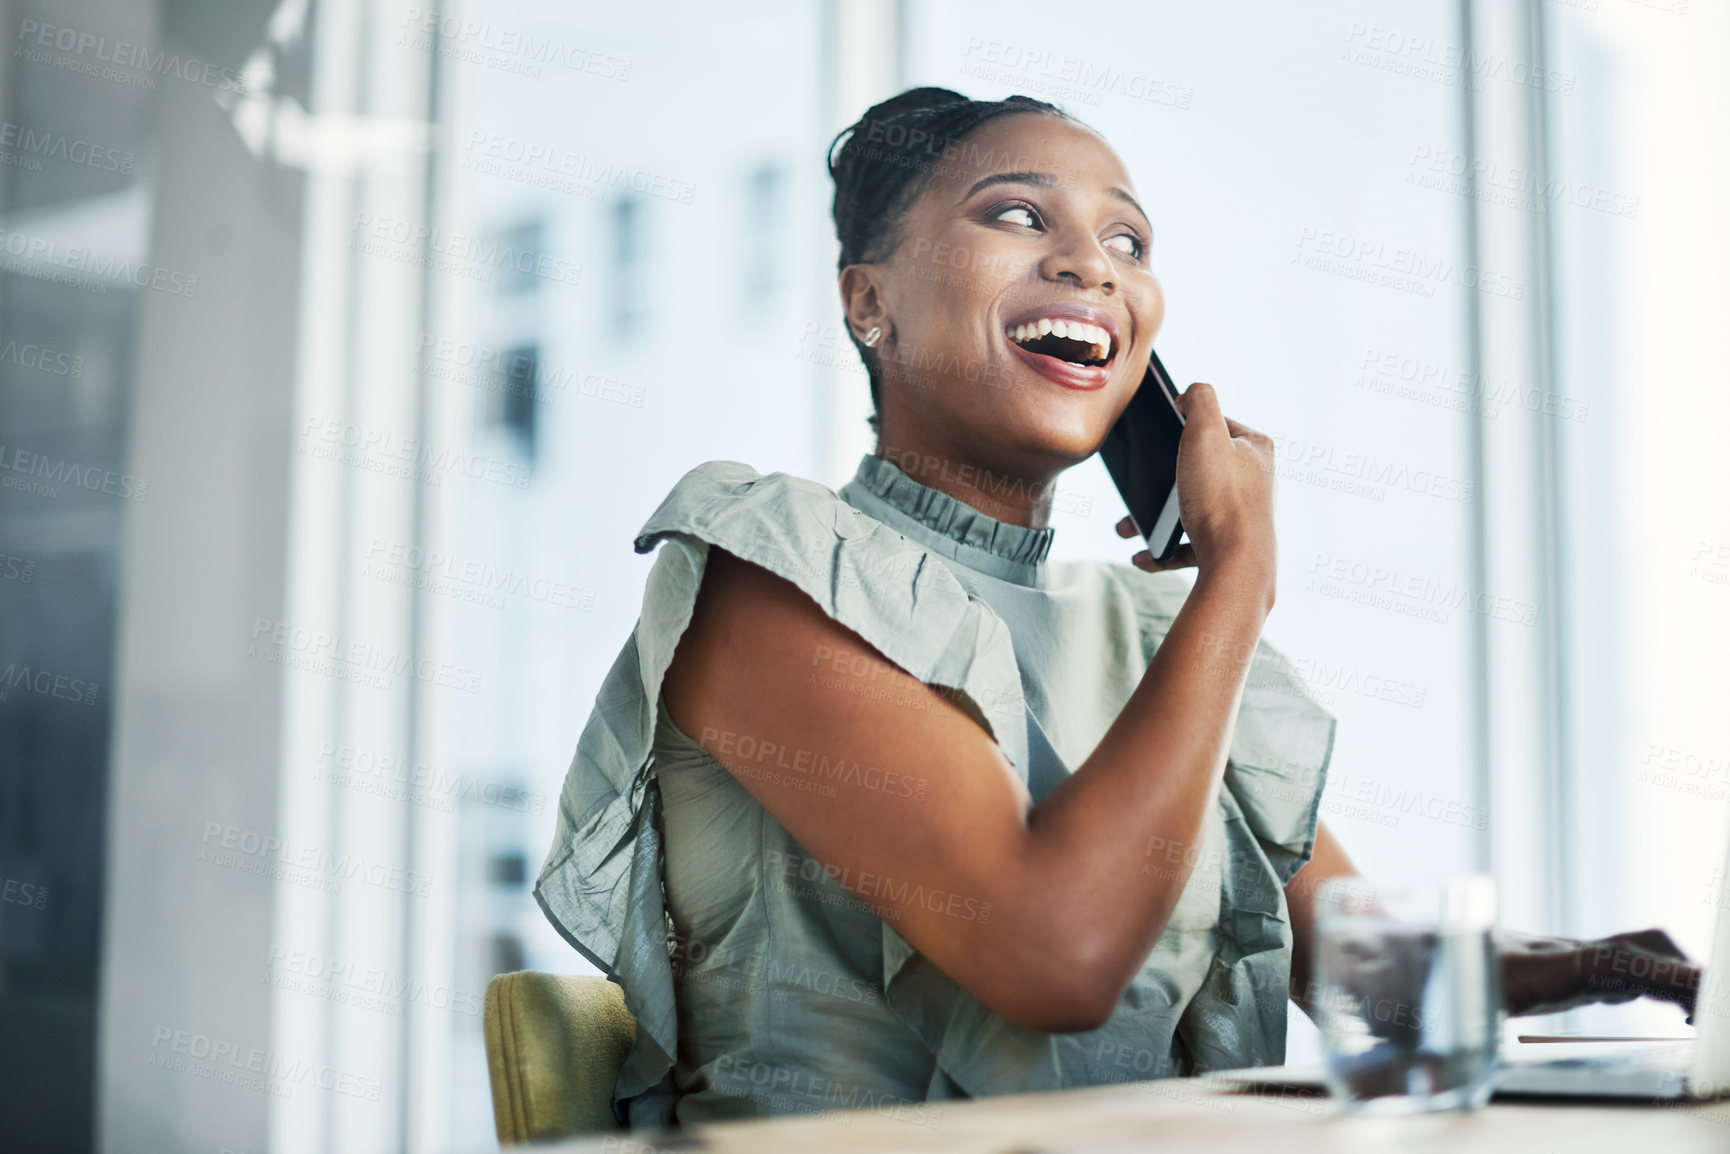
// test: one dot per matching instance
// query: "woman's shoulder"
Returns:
(713, 486)
(797, 529)
(902, 599)
(727, 498)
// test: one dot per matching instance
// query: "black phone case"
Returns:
(1162, 381)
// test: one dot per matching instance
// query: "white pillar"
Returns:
(364, 299)
(1522, 728)
(863, 65)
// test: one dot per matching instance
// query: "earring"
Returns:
(872, 337)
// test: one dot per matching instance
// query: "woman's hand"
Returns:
(1225, 486)
(1546, 975)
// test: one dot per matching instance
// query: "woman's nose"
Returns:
(1078, 256)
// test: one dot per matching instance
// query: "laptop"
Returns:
(1696, 1068)
(1657, 1070)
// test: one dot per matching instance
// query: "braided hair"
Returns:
(886, 159)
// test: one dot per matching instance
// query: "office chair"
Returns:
(555, 1043)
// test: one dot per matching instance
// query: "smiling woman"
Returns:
(979, 234)
(880, 806)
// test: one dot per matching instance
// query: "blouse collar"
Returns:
(946, 524)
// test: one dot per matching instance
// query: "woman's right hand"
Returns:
(1225, 488)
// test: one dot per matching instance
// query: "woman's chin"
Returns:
(1074, 438)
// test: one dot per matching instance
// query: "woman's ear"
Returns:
(862, 303)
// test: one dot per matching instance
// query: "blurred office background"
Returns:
(344, 345)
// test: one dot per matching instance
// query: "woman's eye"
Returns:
(1017, 214)
(1132, 246)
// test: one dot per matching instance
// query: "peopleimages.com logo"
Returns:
(121, 61)
(323, 652)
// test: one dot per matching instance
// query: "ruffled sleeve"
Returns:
(601, 882)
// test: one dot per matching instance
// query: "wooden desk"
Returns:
(1202, 1115)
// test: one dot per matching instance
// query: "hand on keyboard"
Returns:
(1543, 975)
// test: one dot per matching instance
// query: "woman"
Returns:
(879, 806)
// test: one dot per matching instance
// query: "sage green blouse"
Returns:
(760, 984)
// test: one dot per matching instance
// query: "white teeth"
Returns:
(1075, 330)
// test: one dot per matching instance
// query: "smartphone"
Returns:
(1140, 453)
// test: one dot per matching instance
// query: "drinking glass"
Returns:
(1408, 993)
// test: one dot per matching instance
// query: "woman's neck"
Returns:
(1006, 496)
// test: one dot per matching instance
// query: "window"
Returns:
(515, 383)
(765, 221)
(628, 267)
(520, 251)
